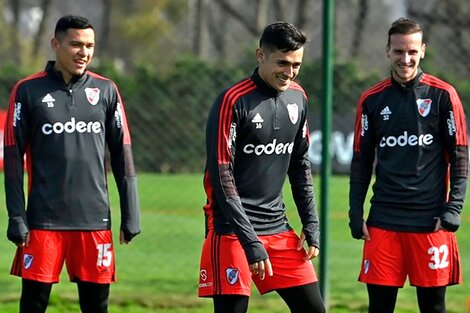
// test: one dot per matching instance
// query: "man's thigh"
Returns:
(90, 256)
(383, 259)
(224, 269)
(42, 259)
(433, 259)
(289, 266)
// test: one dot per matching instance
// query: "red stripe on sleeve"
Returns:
(210, 201)
(125, 126)
(358, 123)
(9, 137)
(457, 107)
(29, 167)
(296, 86)
(225, 118)
(9, 134)
(358, 126)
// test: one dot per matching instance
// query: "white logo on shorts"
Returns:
(203, 283)
(27, 260)
(203, 275)
(232, 275)
(366, 266)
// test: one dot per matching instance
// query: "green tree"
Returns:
(144, 31)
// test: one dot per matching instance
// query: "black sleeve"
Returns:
(220, 146)
(16, 138)
(300, 178)
(122, 164)
(361, 169)
(454, 131)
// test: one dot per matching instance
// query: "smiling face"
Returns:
(405, 52)
(74, 51)
(277, 68)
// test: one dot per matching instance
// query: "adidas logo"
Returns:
(386, 111)
(49, 100)
(257, 119)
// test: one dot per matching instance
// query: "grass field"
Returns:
(158, 272)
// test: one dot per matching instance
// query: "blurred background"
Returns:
(170, 59)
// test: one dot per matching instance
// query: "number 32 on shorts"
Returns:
(439, 257)
(105, 255)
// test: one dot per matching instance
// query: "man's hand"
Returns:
(356, 225)
(122, 239)
(17, 231)
(262, 268)
(125, 236)
(365, 231)
(25, 242)
(439, 225)
(312, 252)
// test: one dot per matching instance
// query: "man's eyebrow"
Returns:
(81, 42)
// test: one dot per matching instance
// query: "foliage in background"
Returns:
(167, 112)
(144, 31)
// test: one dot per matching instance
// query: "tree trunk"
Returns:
(359, 27)
(39, 39)
(244, 20)
(262, 14)
(104, 49)
(218, 28)
(459, 25)
(303, 10)
(15, 32)
(279, 9)
(198, 26)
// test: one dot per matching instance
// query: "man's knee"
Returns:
(34, 296)
(93, 297)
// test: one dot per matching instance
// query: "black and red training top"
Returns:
(414, 136)
(63, 131)
(255, 138)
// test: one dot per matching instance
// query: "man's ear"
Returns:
(54, 44)
(259, 55)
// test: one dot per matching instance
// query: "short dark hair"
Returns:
(404, 26)
(282, 36)
(71, 21)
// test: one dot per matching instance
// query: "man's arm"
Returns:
(15, 142)
(300, 178)
(122, 164)
(361, 169)
(221, 134)
(454, 131)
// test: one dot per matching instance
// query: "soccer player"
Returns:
(412, 126)
(256, 135)
(62, 119)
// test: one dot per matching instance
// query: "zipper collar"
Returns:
(262, 86)
(409, 85)
(57, 75)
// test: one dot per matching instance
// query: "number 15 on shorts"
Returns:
(105, 255)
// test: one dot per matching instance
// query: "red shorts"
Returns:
(88, 255)
(428, 259)
(224, 268)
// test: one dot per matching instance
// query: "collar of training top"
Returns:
(57, 75)
(261, 84)
(409, 85)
